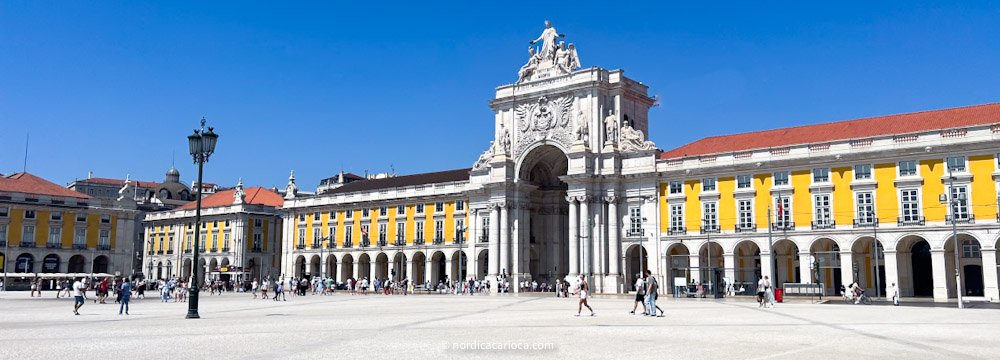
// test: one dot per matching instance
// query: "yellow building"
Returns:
(50, 231)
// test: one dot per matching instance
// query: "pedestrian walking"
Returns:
(760, 292)
(126, 295)
(768, 292)
(79, 295)
(652, 290)
(894, 294)
(640, 294)
(582, 291)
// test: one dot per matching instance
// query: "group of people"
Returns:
(78, 290)
(646, 291)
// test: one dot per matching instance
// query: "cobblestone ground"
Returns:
(447, 326)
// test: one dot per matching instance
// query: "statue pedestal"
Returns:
(610, 147)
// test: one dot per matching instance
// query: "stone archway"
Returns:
(636, 263)
(419, 264)
(458, 266)
(347, 267)
(863, 265)
(826, 254)
(50, 263)
(24, 263)
(102, 265)
(786, 260)
(438, 271)
(399, 267)
(541, 195)
(314, 265)
(970, 264)
(483, 263)
(186, 270)
(679, 264)
(364, 266)
(77, 264)
(330, 267)
(299, 266)
(381, 266)
(748, 265)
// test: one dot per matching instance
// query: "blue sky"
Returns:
(115, 87)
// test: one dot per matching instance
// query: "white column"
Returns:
(428, 265)
(847, 272)
(574, 240)
(614, 241)
(586, 256)
(729, 263)
(766, 263)
(504, 240)
(471, 257)
(552, 255)
(597, 229)
(518, 224)
(805, 270)
(694, 262)
(939, 272)
(355, 272)
(449, 271)
(891, 272)
(494, 243)
(990, 288)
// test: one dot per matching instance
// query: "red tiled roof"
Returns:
(30, 184)
(960, 117)
(119, 182)
(254, 195)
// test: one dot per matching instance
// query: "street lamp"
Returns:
(953, 203)
(878, 280)
(201, 145)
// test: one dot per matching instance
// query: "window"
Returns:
(910, 205)
(226, 224)
(188, 241)
(257, 223)
(400, 210)
(29, 214)
(302, 236)
(961, 208)
(364, 212)
(907, 168)
(420, 208)
(104, 239)
(349, 214)
(315, 216)
(635, 221)
(364, 233)
(333, 215)
(332, 231)
(83, 218)
(202, 238)
(485, 229)
(383, 211)
(743, 182)
(302, 217)
(821, 212)
(866, 207)
(382, 233)
(258, 241)
(79, 236)
(420, 230)
(400, 231)
(676, 217)
(438, 207)
(317, 236)
(711, 214)
(3, 233)
(170, 242)
(55, 233)
(956, 163)
(676, 187)
(744, 214)
(459, 229)
(821, 175)
(4, 211)
(781, 178)
(438, 230)
(55, 216)
(863, 171)
(215, 241)
(28, 234)
(459, 205)
(708, 184)
(348, 235)
(970, 249)
(783, 211)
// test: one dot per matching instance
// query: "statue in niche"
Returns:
(505, 139)
(582, 131)
(611, 128)
(632, 139)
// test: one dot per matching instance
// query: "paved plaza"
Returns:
(442, 326)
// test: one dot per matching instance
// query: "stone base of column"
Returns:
(613, 284)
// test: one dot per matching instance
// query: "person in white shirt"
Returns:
(79, 295)
(640, 294)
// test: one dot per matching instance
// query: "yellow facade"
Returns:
(692, 207)
(762, 183)
(886, 196)
(727, 202)
(983, 193)
(801, 201)
(842, 197)
(931, 171)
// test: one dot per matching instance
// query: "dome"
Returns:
(173, 176)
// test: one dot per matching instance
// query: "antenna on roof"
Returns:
(173, 158)
(27, 137)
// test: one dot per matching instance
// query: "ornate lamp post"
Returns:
(201, 145)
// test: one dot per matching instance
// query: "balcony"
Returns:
(671, 231)
(215, 249)
(53, 246)
(865, 223)
(911, 221)
(365, 243)
(202, 250)
(187, 251)
(256, 250)
(383, 243)
(418, 242)
(300, 246)
(461, 240)
(170, 252)
(159, 252)
(438, 241)
(824, 224)
(484, 239)
(316, 245)
(714, 229)
(400, 242)
(103, 246)
(782, 226)
(969, 219)
(637, 233)
(348, 243)
(331, 244)
(745, 228)
(225, 249)
(27, 244)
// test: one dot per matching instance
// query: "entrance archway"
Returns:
(364, 266)
(300, 266)
(101, 264)
(748, 266)
(484, 257)
(679, 262)
(826, 254)
(459, 266)
(76, 264)
(24, 263)
(399, 267)
(419, 263)
(636, 262)
(546, 253)
(786, 259)
(970, 262)
(331, 266)
(381, 266)
(50, 264)
(186, 270)
(437, 268)
(863, 265)
(346, 268)
(314, 265)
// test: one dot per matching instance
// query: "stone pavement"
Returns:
(445, 326)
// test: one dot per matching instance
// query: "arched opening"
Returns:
(101, 265)
(314, 266)
(438, 264)
(399, 267)
(213, 266)
(331, 267)
(868, 269)
(914, 265)
(826, 254)
(50, 263)
(169, 268)
(203, 268)
(710, 266)
(364, 266)
(748, 266)
(347, 268)
(458, 266)
(25, 263)
(545, 254)
(636, 263)
(483, 264)
(186, 270)
(159, 270)
(970, 263)
(418, 264)
(300, 266)
(786, 260)
(381, 266)
(679, 263)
